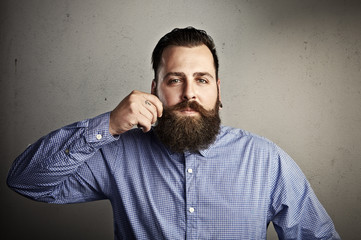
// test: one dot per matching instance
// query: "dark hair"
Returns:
(185, 37)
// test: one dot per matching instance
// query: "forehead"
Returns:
(187, 59)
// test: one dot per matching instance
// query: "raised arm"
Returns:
(63, 166)
(48, 169)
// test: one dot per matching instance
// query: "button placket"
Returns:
(191, 197)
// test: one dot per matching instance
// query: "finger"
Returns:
(152, 110)
(156, 102)
(149, 113)
(144, 123)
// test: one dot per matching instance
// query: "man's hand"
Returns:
(138, 108)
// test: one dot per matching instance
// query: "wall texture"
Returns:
(290, 71)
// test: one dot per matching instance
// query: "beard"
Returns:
(188, 133)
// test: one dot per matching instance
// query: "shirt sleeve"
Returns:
(54, 169)
(296, 211)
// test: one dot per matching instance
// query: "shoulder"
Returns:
(249, 144)
(257, 149)
(236, 143)
(230, 135)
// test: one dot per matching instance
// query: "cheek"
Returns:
(209, 99)
(168, 97)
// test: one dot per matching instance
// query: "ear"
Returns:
(154, 87)
(219, 92)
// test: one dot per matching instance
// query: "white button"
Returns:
(190, 170)
(191, 210)
(99, 136)
(66, 151)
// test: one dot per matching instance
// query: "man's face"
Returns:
(188, 89)
(187, 74)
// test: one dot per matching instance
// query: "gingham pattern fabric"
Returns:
(232, 190)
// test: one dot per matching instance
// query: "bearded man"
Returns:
(187, 177)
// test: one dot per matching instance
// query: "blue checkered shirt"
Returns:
(232, 190)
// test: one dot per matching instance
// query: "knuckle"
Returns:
(132, 122)
(132, 107)
(133, 95)
(131, 98)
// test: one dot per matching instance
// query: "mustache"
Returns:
(195, 106)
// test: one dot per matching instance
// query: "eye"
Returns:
(203, 81)
(174, 81)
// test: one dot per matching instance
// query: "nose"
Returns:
(189, 91)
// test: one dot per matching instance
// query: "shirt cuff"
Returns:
(97, 133)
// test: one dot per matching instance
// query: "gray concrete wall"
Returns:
(290, 71)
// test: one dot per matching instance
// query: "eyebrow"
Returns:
(200, 74)
(181, 74)
(177, 74)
